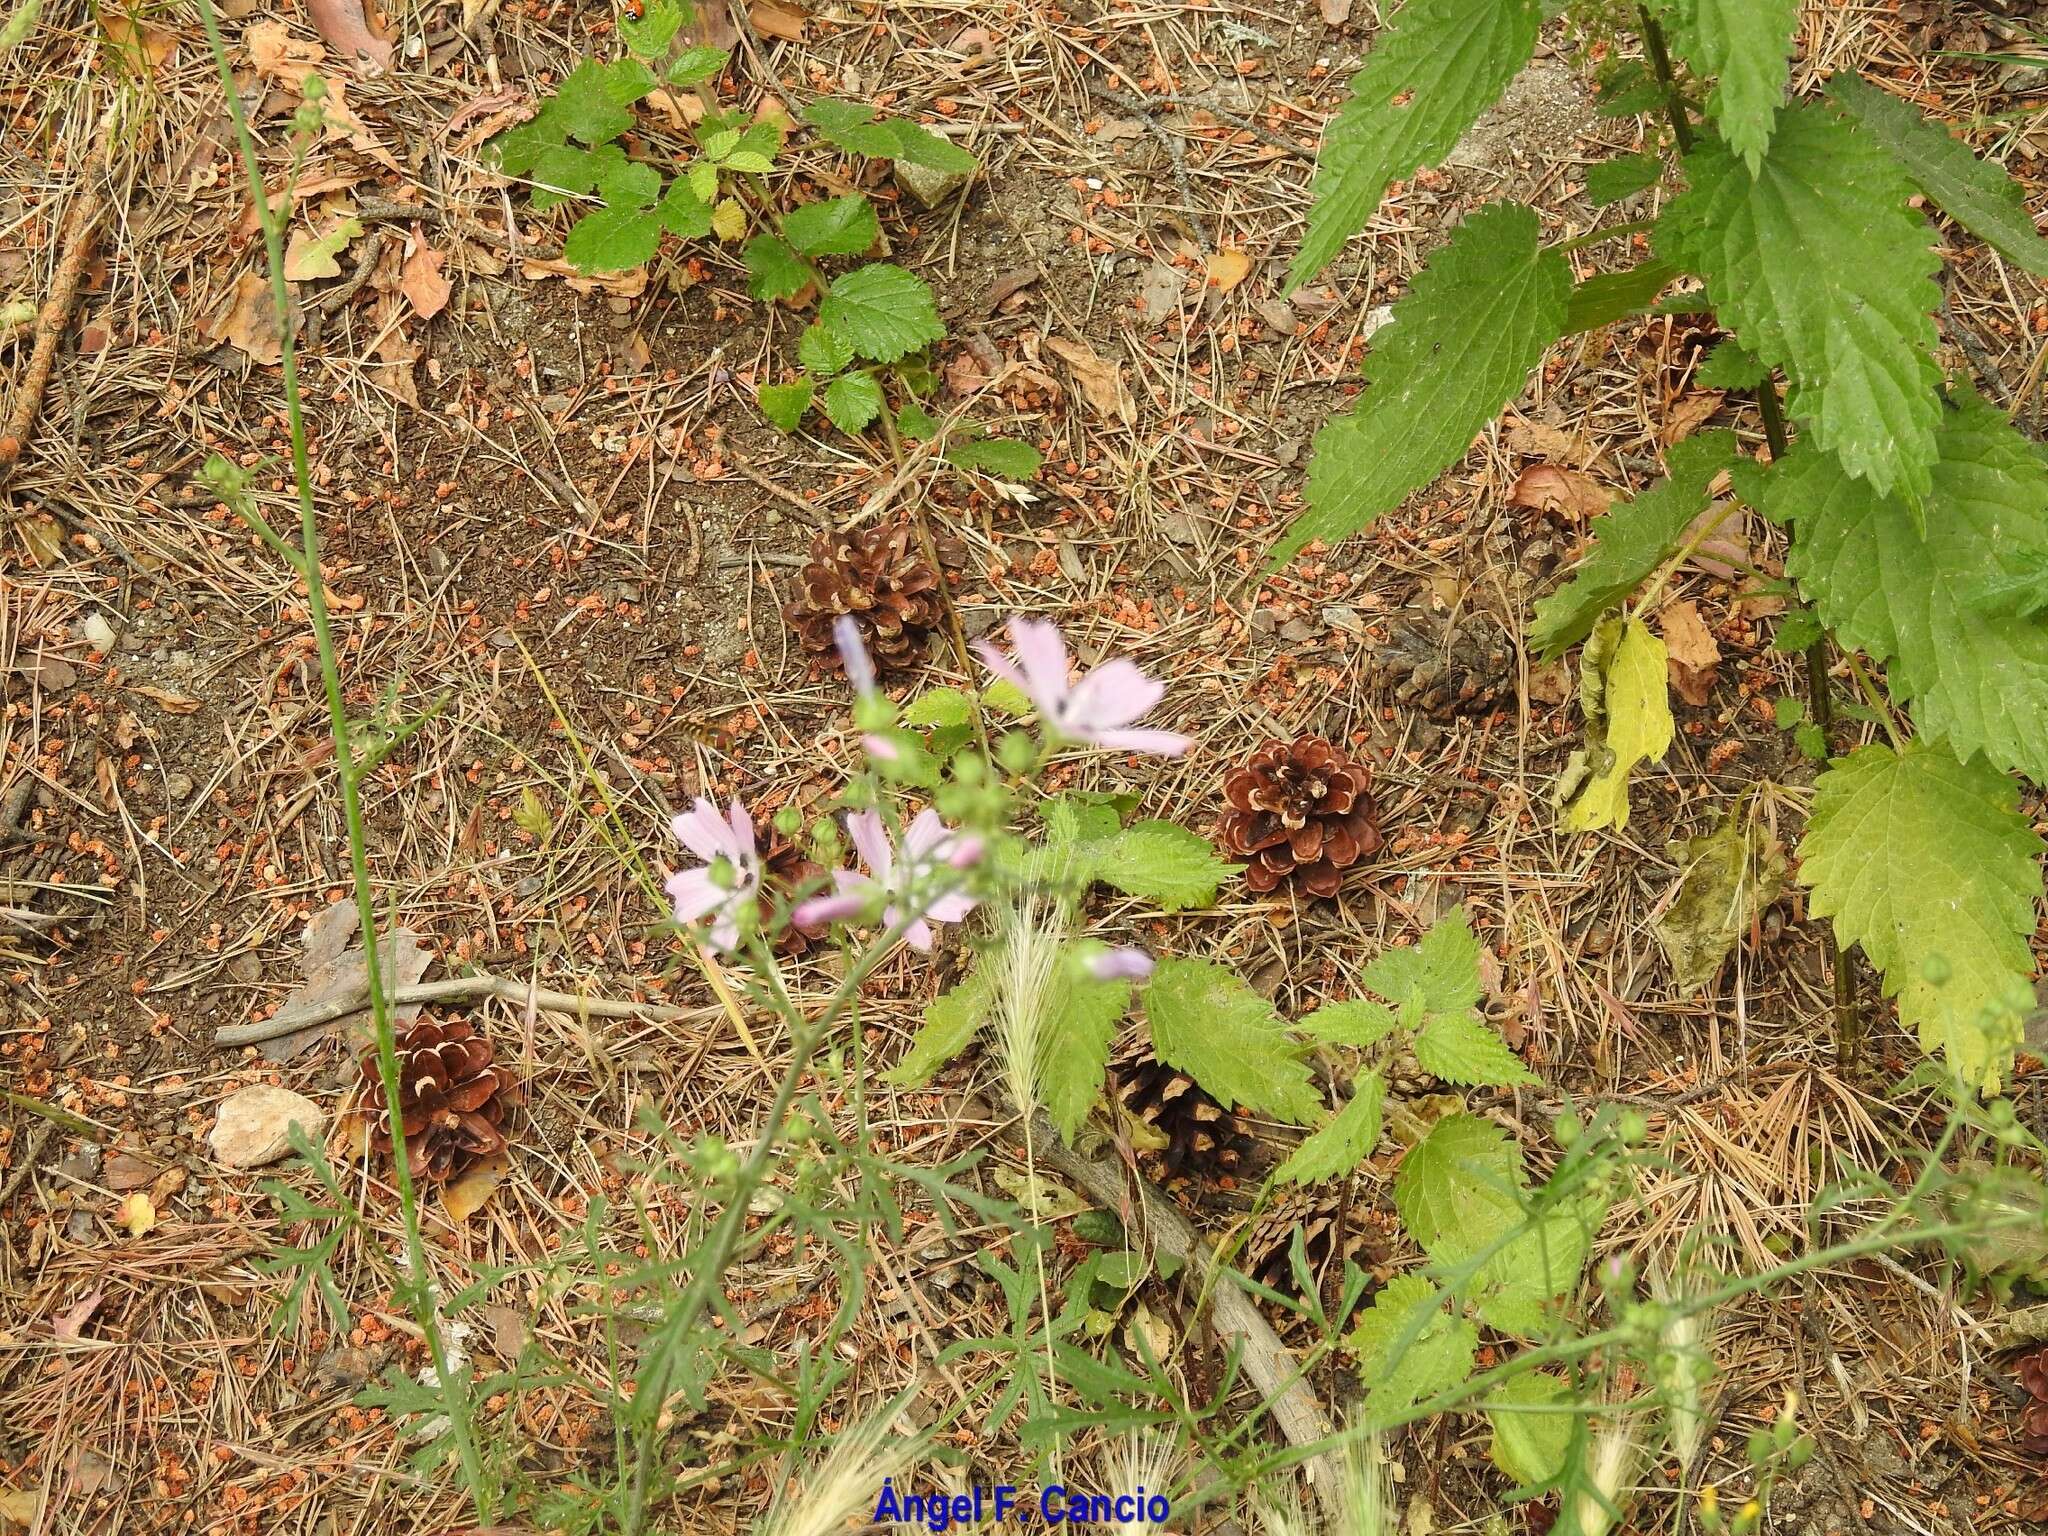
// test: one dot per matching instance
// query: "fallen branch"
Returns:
(288, 1020)
(81, 227)
(1268, 1364)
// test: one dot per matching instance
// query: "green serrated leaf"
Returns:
(1360, 1022)
(1208, 1023)
(839, 226)
(1632, 540)
(854, 125)
(1000, 456)
(882, 312)
(1610, 181)
(612, 240)
(915, 422)
(1492, 299)
(1434, 68)
(1975, 193)
(937, 707)
(564, 171)
(1726, 878)
(702, 176)
(588, 106)
(821, 352)
(684, 213)
(1730, 366)
(774, 271)
(1437, 1357)
(853, 400)
(750, 162)
(1623, 691)
(1929, 865)
(519, 149)
(1343, 1141)
(1532, 1426)
(1610, 296)
(1081, 1019)
(1462, 1048)
(951, 1021)
(1440, 974)
(1626, 88)
(629, 184)
(650, 33)
(1163, 863)
(1823, 271)
(1978, 678)
(693, 66)
(785, 404)
(1745, 47)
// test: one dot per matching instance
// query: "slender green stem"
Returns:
(1660, 61)
(417, 1283)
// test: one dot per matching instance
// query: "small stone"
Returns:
(97, 632)
(246, 968)
(928, 186)
(254, 1125)
(178, 786)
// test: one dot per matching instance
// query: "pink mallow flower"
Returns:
(1097, 710)
(730, 878)
(929, 846)
(1126, 964)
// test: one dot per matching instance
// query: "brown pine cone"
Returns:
(879, 574)
(787, 869)
(2032, 1371)
(1203, 1139)
(1299, 811)
(1314, 1212)
(452, 1096)
(1446, 670)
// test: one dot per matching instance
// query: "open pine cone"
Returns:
(879, 575)
(1300, 811)
(2032, 1371)
(1203, 1139)
(1446, 670)
(452, 1095)
(1315, 1213)
(787, 869)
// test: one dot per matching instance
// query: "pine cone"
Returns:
(1676, 345)
(1299, 811)
(787, 869)
(1443, 671)
(879, 575)
(1203, 1139)
(1314, 1212)
(2032, 1371)
(452, 1096)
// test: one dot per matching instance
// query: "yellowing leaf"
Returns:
(472, 1192)
(1228, 268)
(728, 219)
(1730, 875)
(137, 1214)
(1628, 721)
(310, 256)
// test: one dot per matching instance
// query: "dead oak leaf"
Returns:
(1691, 651)
(777, 18)
(1688, 416)
(421, 280)
(248, 322)
(1228, 268)
(1565, 492)
(347, 31)
(1101, 381)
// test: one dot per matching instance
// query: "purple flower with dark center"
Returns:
(730, 878)
(929, 846)
(1097, 710)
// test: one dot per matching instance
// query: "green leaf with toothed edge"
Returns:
(1492, 299)
(1610, 296)
(1433, 69)
(774, 271)
(1000, 456)
(1820, 268)
(1081, 1018)
(612, 240)
(821, 352)
(857, 126)
(951, 1022)
(882, 312)
(1438, 1354)
(785, 404)
(1974, 192)
(1343, 1141)
(1207, 1022)
(839, 226)
(1745, 48)
(1928, 864)
(853, 400)
(1610, 181)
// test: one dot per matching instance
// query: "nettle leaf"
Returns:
(1460, 346)
(1159, 862)
(1435, 988)
(1745, 47)
(1607, 297)
(1438, 1356)
(1462, 1048)
(1822, 270)
(1001, 456)
(915, 423)
(1207, 1022)
(1343, 1141)
(1730, 366)
(821, 352)
(1361, 1022)
(1435, 67)
(785, 404)
(1630, 541)
(882, 312)
(839, 226)
(1532, 1426)
(612, 240)
(855, 125)
(1610, 181)
(1460, 1192)
(1974, 675)
(1974, 192)
(951, 1022)
(1081, 1017)
(1623, 692)
(774, 271)
(1928, 863)
(853, 400)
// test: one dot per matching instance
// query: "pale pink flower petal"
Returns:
(919, 936)
(860, 671)
(695, 893)
(1155, 743)
(703, 831)
(1042, 654)
(1094, 711)
(1113, 695)
(1120, 965)
(871, 841)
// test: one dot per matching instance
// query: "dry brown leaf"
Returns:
(336, 973)
(348, 32)
(683, 109)
(1336, 12)
(1101, 381)
(137, 43)
(280, 56)
(1692, 650)
(462, 1198)
(70, 1323)
(509, 1331)
(623, 285)
(1688, 416)
(248, 321)
(170, 703)
(1566, 492)
(1717, 543)
(1159, 292)
(21, 1506)
(1228, 268)
(422, 281)
(1534, 440)
(777, 18)
(713, 25)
